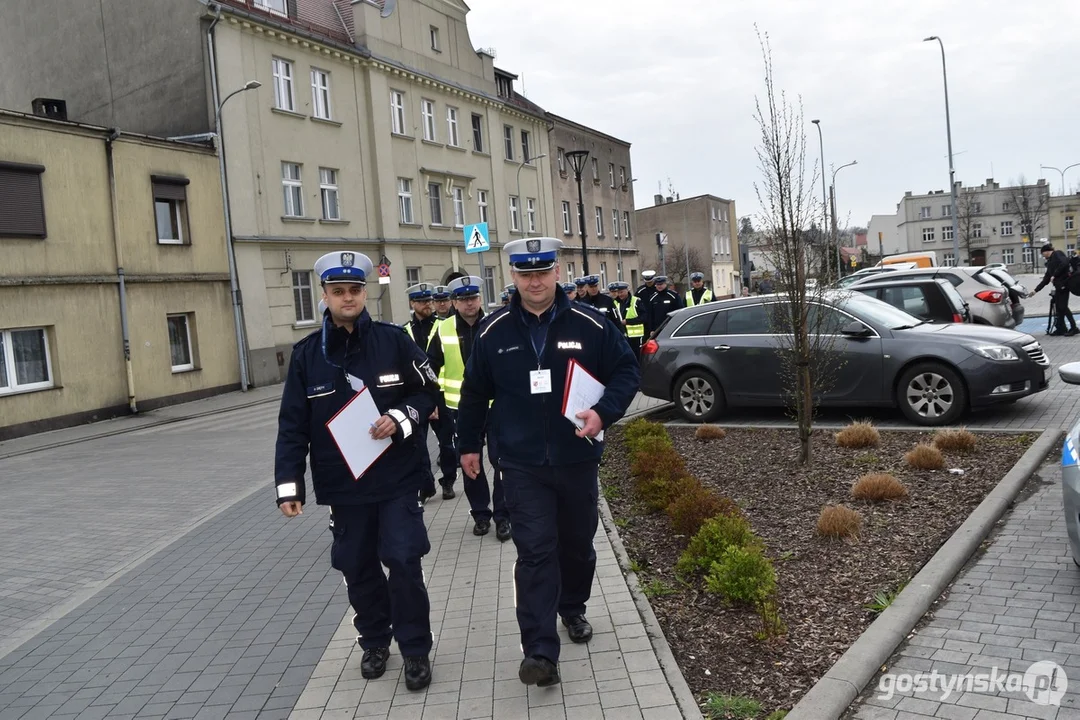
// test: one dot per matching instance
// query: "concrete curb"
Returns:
(830, 697)
(887, 428)
(679, 688)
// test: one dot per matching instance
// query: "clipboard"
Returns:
(593, 391)
(350, 430)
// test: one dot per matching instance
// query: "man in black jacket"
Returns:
(1058, 271)
(375, 518)
(594, 297)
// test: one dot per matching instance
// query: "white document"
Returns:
(351, 430)
(582, 392)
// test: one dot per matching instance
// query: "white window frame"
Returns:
(477, 125)
(1005, 206)
(946, 232)
(7, 359)
(427, 114)
(530, 213)
(301, 284)
(603, 276)
(282, 70)
(526, 147)
(435, 203)
(482, 205)
(397, 112)
(433, 35)
(291, 184)
(508, 142)
(1028, 255)
(976, 230)
(567, 228)
(946, 210)
(405, 202)
(412, 276)
(950, 260)
(562, 161)
(274, 7)
(595, 170)
(328, 188)
(622, 175)
(1006, 228)
(1008, 256)
(925, 212)
(626, 224)
(320, 94)
(976, 208)
(459, 207)
(611, 173)
(571, 274)
(489, 285)
(515, 213)
(1069, 222)
(190, 364)
(615, 223)
(453, 137)
(176, 213)
(599, 221)
(928, 234)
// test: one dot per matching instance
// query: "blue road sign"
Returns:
(476, 238)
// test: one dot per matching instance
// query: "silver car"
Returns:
(987, 297)
(1070, 469)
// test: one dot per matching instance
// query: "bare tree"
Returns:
(785, 193)
(675, 258)
(1030, 206)
(967, 212)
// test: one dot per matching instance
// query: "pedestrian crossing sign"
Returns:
(476, 238)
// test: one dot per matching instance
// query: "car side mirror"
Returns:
(1070, 373)
(857, 329)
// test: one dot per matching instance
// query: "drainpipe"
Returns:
(124, 330)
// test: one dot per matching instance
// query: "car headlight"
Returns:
(996, 352)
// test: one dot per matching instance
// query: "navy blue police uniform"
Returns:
(444, 424)
(375, 519)
(570, 289)
(520, 361)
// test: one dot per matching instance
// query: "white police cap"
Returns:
(343, 266)
(465, 287)
(441, 293)
(648, 275)
(421, 291)
(533, 254)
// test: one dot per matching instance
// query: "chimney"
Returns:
(658, 199)
(50, 108)
(670, 199)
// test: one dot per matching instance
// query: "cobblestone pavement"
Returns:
(147, 573)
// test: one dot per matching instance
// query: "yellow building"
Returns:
(1062, 217)
(102, 232)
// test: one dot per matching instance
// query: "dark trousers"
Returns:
(1065, 319)
(427, 483)
(483, 498)
(554, 514)
(444, 429)
(389, 533)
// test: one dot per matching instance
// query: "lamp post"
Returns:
(1051, 167)
(835, 231)
(952, 170)
(241, 344)
(626, 228)
(577, 160)
(824, 191)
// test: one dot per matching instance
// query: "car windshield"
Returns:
(865, 307)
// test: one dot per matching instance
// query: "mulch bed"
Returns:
(823, 585)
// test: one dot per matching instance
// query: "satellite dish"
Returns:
(388, 8)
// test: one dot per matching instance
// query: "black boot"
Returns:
(481, 527)
(373, 664)
(417, 672)
(448, 492)
(538, 671)
(578, 628)
(502, 530)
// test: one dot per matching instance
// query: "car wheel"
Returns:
(931, 394)
(699, 397)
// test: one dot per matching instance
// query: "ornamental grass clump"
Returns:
(925, 457)
(710, 432)
(959, 440)
(878, 487)
(858, 435)
(839, 521)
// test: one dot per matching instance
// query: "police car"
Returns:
(1070, 469)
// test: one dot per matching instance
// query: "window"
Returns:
(946, 211)
(976, 208)
(294, 189)
(1008, 256)
(946, 232)
(924, 212)
(459, 207)
(725, 244)
(22, 200)
(626, 224)
(715, 213)
(412, 276)
(603, 275)
(1005, 206)
(283, 88)
(397, 112)
(566, 218)
(489, 284)
(482, 205)
(571, 274)
(451, 127)
(950, 260)
(170, 209)
(748, 320)
(427, 112)
(526, 150)
(320, 93)
(611, 173)
(1068, 222)
(530, 213)
(615, 223)
(696, 326)
(435, 195)
(180, 343)
(562, 161)
(303, 300)
(503, 86)
(599, 222)
(477, 133)
(595, 170)
(1025, 228)
(404, 194)
(24, 361)
(277, 7)
(508, 142)
(328, 188)
(1028, 255)
(1006, 227)
(515, 216)
(622, 174)
(976, 230)
(928, 234)
(433, 34)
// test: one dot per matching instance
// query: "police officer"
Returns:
(663, 302)
(647, 289)
(519, 361)
(419, 328)
(442, 302)
(628, 313)
(698, 294)
(375, 519)
(451, 345)
(505, 298)
(581, 292)
(443, 424)
(1058, 269)
(594, 297)
(570, 289)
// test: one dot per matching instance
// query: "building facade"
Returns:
(99, 217)
(1063, 213)
(607, 191)
(701, 233)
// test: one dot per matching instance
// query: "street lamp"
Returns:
(626, 228)
(577, 160)
(824, 193)
(952, 170)
(241, 345)
(1051, 167)
(835, 231)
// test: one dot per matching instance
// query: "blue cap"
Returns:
(465, 287)
(592, 280)
(343, 267)
(697, 276)
(421, 291)
(505, 297)
(533, 254)
(569, 287)
(441, 293)
(618, 286)
(510, 289)
(660, 279)
(580, 282)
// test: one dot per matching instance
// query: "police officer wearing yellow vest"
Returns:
(628, 313)
(375, 519)
(519, 364)
(420, 328)
(698, 294)
(449, 351)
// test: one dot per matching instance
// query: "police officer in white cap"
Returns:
(519, 363)
(376, 519)
(443, 306)
(570, 289)
(647, 289)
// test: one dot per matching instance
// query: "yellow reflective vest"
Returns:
(637, 329)
(452, 373)
(705, 297)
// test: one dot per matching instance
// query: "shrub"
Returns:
(710, 432)
(638, 430)
(771, 624)
(925, 457)
(954, 440)
(858, 435)
(693, 505)
(716, 535)
(656, 475)
(839, 521)
(742, 575)
(877, 487)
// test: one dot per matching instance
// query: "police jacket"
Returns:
(600, 301)
(645, 293)
(662, 304)
(421, 330)
(399, 377)
(629, 312)
(698, 296)
(530, 428)
(1057, 271)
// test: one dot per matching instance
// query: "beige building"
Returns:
(1063, 213)
(607, 192)
(101, 217)
(700, 231)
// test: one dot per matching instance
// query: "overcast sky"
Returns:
(677, 79)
